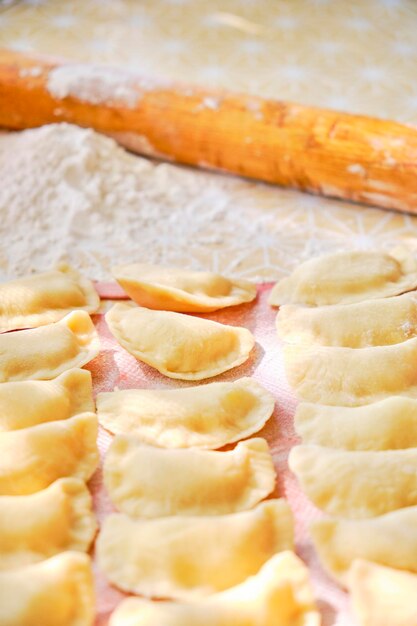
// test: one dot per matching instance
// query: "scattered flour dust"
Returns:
(94, 84)
(72, 194)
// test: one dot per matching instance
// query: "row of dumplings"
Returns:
(193, 524)
(206, 504)
(351, 356)
(48, 450)
(361, 349)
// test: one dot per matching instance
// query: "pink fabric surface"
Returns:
(116, 367)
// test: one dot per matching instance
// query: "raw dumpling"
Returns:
(179, 346)
(37, 526)
(33, 458)
(31, 402)
(175, 289)
(191, 557)
(346, 277)
(56, 592)
(207, 416)
(352, 376)
(382, 596)
(389, 539)
(144, 481)
(279, 595)
(45, 298)
(356, 484)
(43, 353)
(371, 323)
(389, 424)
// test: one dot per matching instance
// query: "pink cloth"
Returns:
(116, 367)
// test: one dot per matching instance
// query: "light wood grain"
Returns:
(326, 152)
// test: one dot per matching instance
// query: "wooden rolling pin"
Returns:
(321, 151)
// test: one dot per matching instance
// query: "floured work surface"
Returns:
(115, 367)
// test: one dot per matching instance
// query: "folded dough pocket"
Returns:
(45, 298)
(346, 277)
(56, 592)
(389, 424)
(33, 458)
(356, 484)
(30, 402)
(389, 539)
(379, 322)
(280, 594)
(382, 596)
(144, 481)
(190, 557)
(352, 376)
(46, 352)
(37, 526)
(177, 345)
(206, 416)
(185, 291)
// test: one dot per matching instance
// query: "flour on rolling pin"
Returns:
(98, 85)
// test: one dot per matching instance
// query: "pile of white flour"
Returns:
(72, 194)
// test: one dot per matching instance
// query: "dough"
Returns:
(144, 481)
(389, 424)
(37, 526)
(371, 323)
(43, 353)
(31, 402)
(185, 291)
(207, 416)
(33, 458)
(352, 376)
(177, 345)
(56, 592)
(382, 596)
(356, 484)
(45, 298)
(188, 558)
(389, 539)
(279, 595)
(346, 277)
